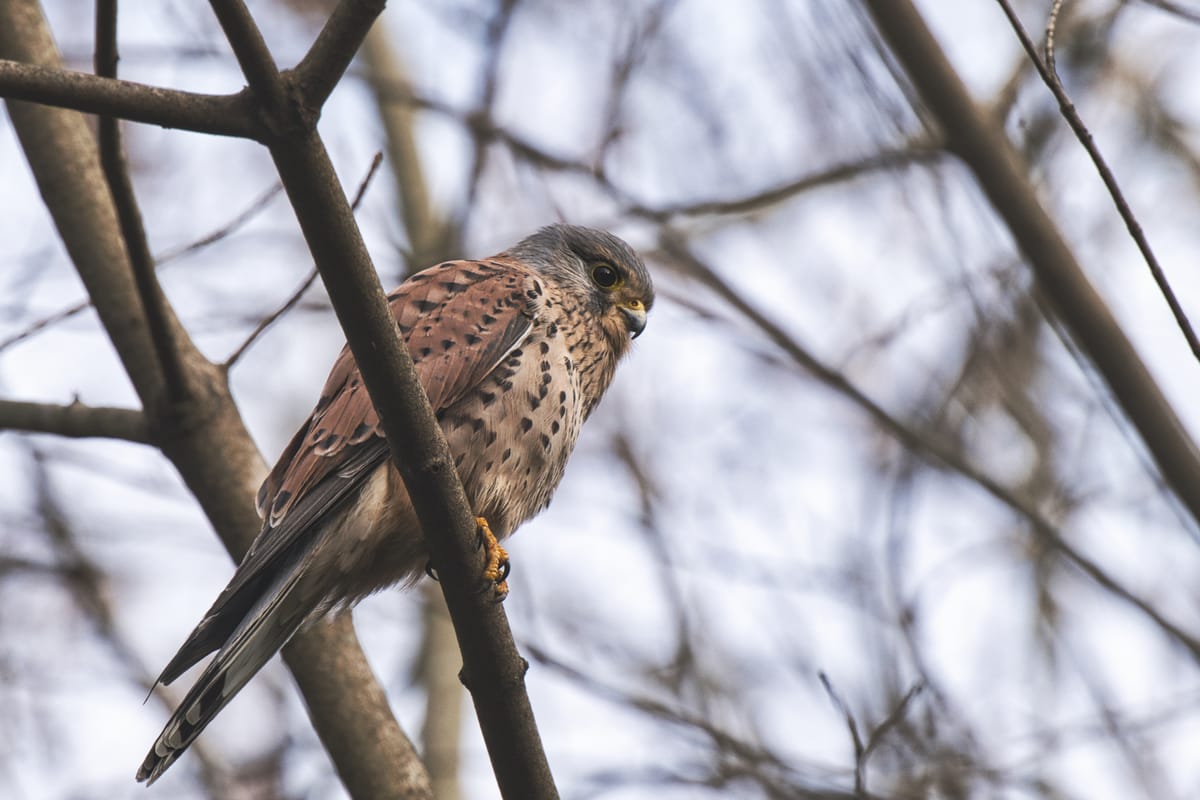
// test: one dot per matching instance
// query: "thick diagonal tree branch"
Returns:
(204, 436)
(976, 139)
(492, 667)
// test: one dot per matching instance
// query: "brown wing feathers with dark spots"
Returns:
(337, 522)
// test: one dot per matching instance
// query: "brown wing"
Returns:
(460, 320)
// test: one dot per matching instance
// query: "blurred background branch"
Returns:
(867, 443)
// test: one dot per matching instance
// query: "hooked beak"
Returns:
(635, 317)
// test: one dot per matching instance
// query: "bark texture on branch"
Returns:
(221, 115)
(75, 420)
(203, 435)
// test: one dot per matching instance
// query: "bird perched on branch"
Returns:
(514, 352)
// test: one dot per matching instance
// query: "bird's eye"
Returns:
(606, 276)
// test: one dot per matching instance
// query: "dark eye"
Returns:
(605, 276)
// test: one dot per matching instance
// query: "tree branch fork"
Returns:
(280, 109)
(239, 115)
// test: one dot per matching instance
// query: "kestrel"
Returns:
(514, 352)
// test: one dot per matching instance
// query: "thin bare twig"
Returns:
(925, 443)
(129, 216)
(625, 66)
(1176, 9)
(860, 784)
(975, 138)
(308, 281)
(786, 778)
(497, 31)
(1071, 115)
(1051, 31)
(923, 149)
(256, 206)
(864, 748)
(243, 217)
(915, 152)
(892, 720)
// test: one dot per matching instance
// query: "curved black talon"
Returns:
(505, 568)
(431, 572)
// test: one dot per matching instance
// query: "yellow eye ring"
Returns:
(606, 276)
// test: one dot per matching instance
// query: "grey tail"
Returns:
(266, 628)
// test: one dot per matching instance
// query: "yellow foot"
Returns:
(496, 570)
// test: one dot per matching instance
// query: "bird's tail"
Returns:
(266, 629)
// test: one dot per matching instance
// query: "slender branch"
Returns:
(116, 172)
(251, 211)
(494, 39)
(1051, 34)
(221, 115)
(920, 150)
(784, 777)
(84, 579)
(1183, 12)
(860, 776)
(162, 260)
(1071, 115)
(429, 239)
(926, 444)
(42, 324)
(76, 420)
(913, 153)
(979, 143)
(294, 298)
(253, 56)
(328, 59)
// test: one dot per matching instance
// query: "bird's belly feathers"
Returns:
(511, 436)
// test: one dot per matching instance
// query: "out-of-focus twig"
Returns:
(779, 777)
(1071, 115)
(75, 420)
(86, 582)
(308, 281)
(497, 30)
(223, 231)
(1177, 9)
(430, 239)
(676, 251)
(979, 142)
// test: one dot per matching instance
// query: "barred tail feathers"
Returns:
(265, 630)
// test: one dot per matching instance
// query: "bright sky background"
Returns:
(793, 534)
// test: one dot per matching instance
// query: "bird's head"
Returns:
(600, 269)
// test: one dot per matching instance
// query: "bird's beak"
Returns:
(635, 316)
